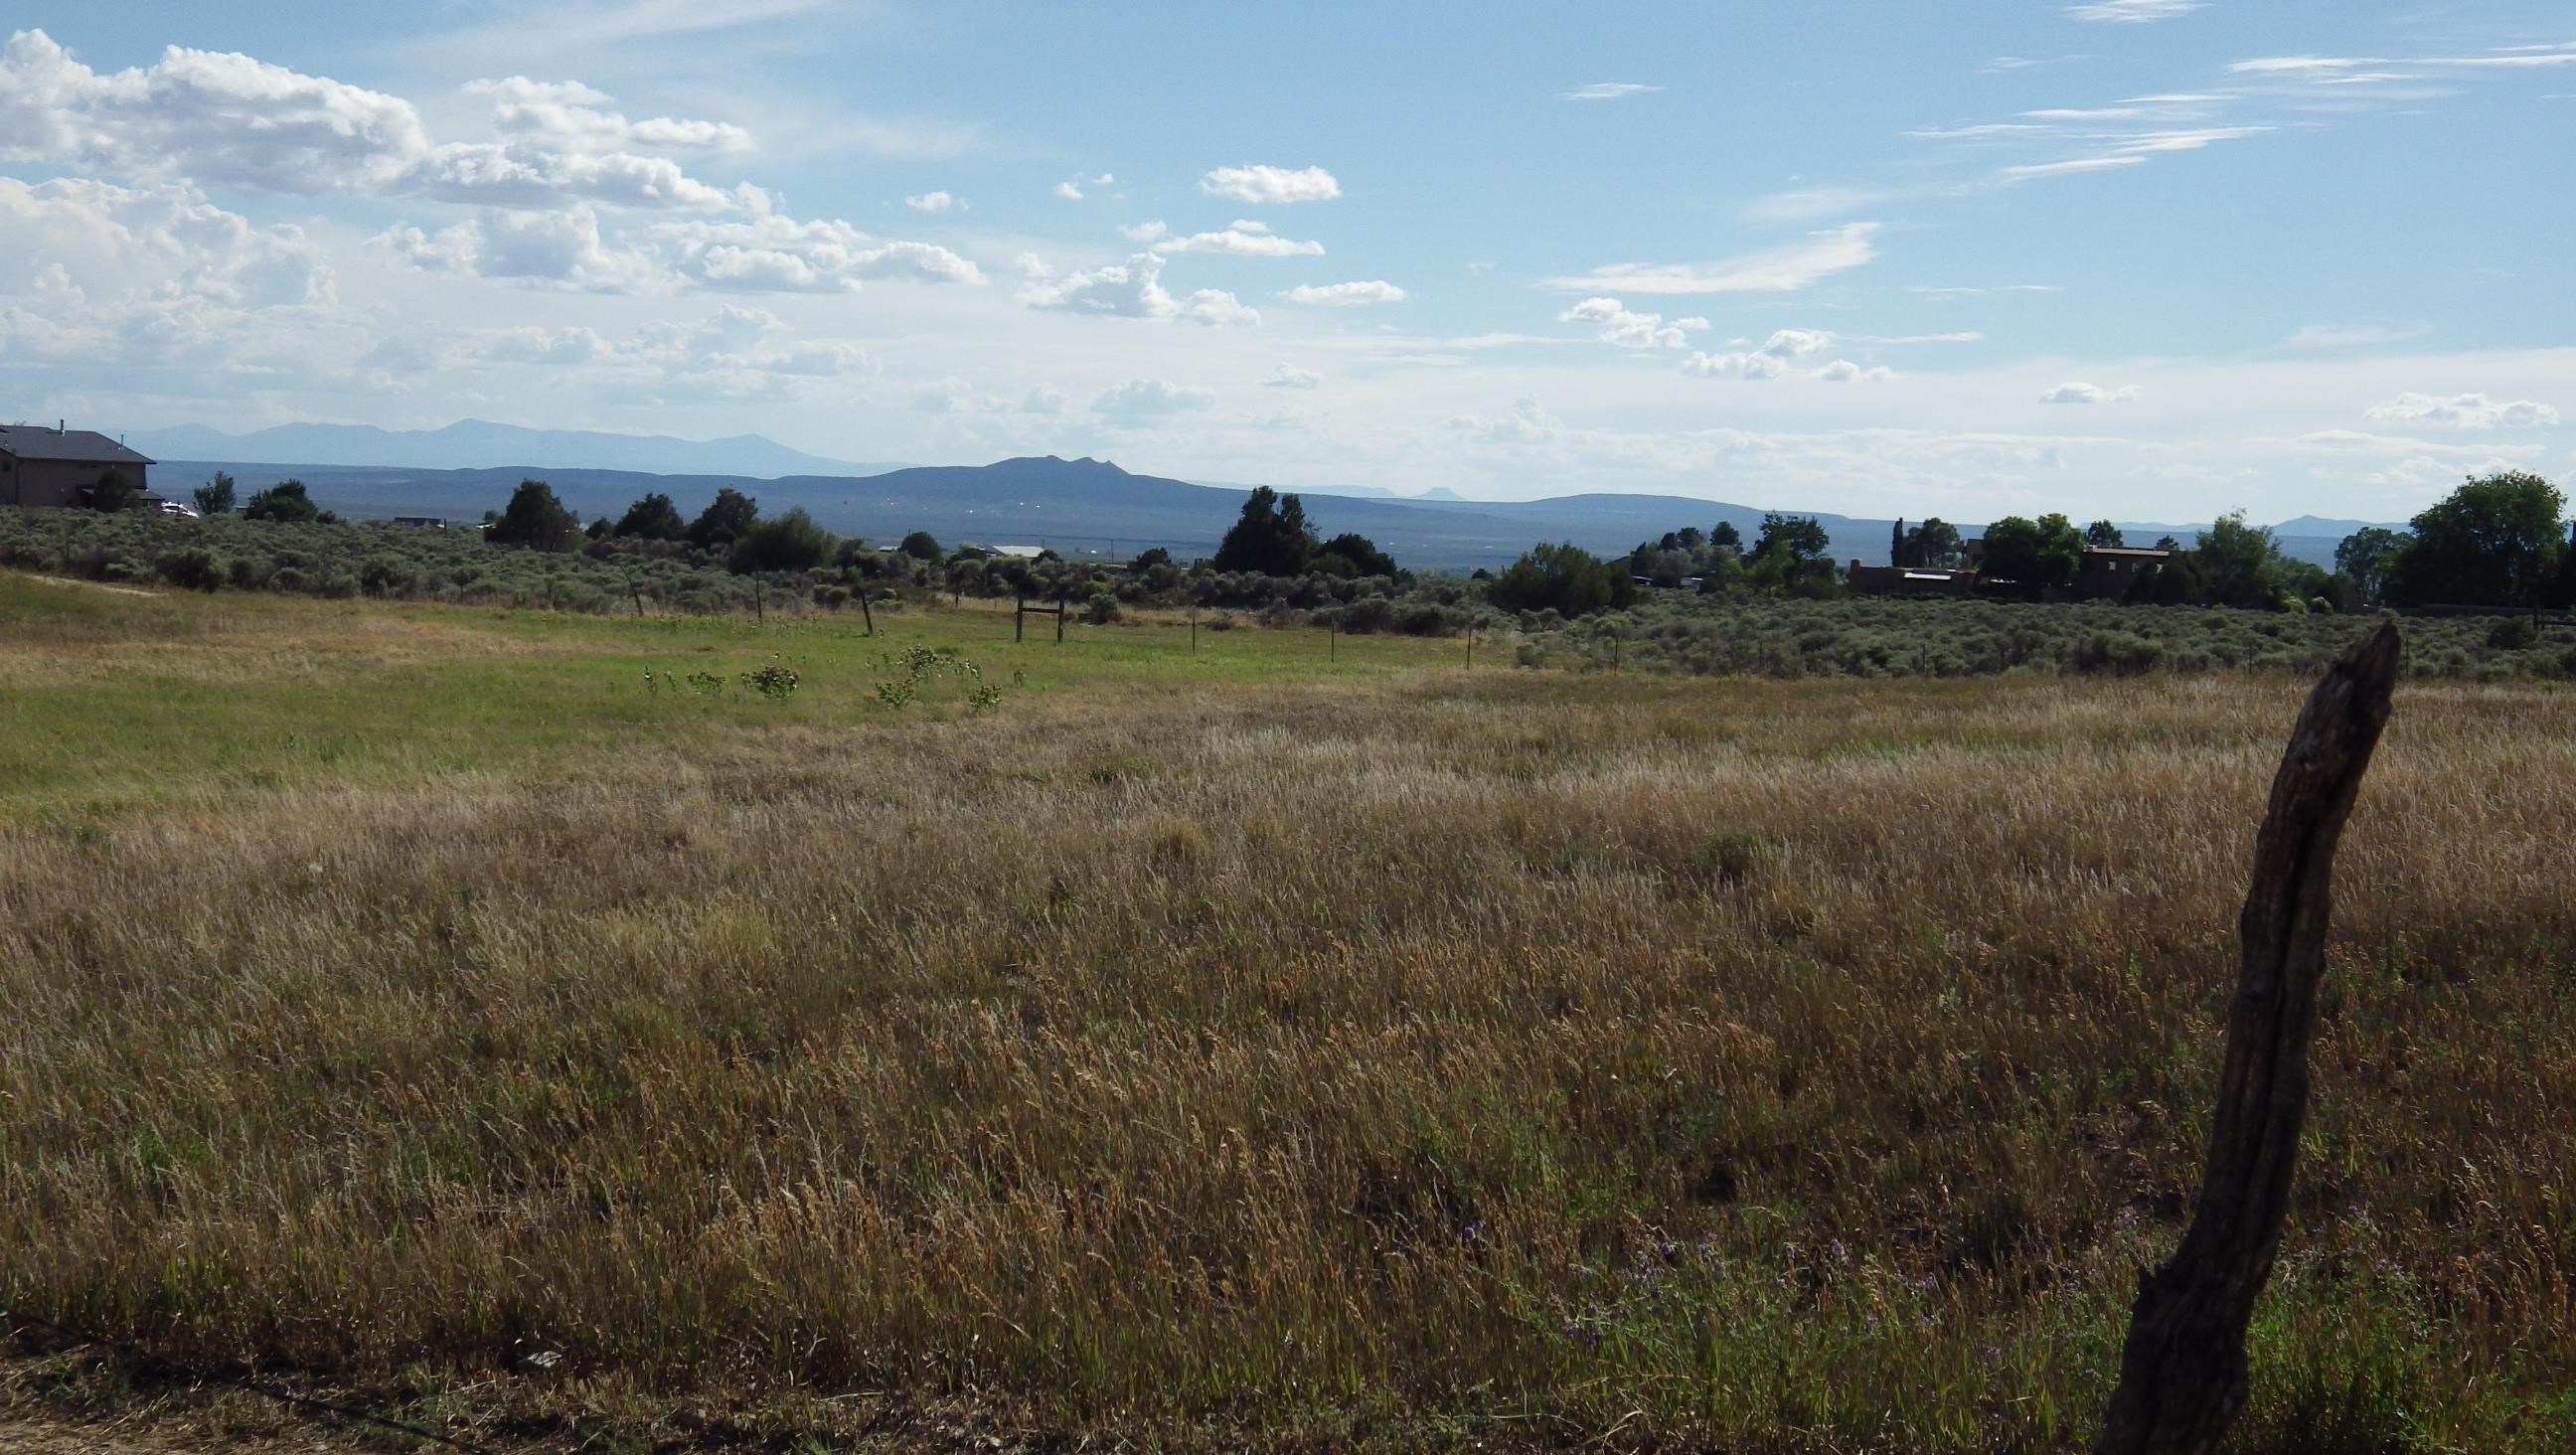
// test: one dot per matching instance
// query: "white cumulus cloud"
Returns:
(1627, 329)
(933, 202)
(1844, 371)
(551, 249)
(780, 254)
(1289, 376)
(2466, 411)
(1264, 184)
(1769, 361)
(1240, 239)
(1357, 294)
(2078, 392)
(1134, 289)
(1738, 364)
(569, 116)
(1143, 399)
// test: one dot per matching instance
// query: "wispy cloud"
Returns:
(573, 29)
(2332, 337)
(2067, 168)
(2328, 70)
(2133, 12)
(1772, 270)
(2466, 411)
(2079, 392)
(1814, 204)
(1978, 292)
(1607, 91)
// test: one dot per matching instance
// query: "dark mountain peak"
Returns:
(1057, 463)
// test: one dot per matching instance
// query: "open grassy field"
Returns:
(1239, 1049)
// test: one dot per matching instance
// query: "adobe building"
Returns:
(59, 466)
(2108, 572)
(1863, 580)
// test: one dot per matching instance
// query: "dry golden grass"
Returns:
(1403, 1058)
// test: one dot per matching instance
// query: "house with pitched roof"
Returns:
(60, 466)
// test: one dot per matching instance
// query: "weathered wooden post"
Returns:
(866, 617)
(1332, 641)
(1059, 621)
(1019, 617)
(1194, 630)
(2183, 1370)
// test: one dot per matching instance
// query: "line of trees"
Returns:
(1789, 553)
(2497, 541)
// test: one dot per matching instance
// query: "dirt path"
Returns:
(91, 586)
(18, 1438)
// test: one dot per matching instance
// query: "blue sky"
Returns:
(2143, 258)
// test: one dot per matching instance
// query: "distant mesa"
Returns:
(1081, 506)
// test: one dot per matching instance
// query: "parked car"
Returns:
(179, 508)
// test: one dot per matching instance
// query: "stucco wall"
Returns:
(58, 482)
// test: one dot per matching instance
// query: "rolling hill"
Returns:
(1078, 506)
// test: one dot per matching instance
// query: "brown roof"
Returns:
(80, 446)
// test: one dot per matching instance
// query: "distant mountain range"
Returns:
(478, 444)
(1078, 506)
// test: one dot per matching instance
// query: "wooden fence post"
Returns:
(865, 615)
(2183, 1370)
(1019, 617)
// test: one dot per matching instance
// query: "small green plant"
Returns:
(1732, 857)
(920, 663)
(777, 681)
(986, 698)
(898, 693)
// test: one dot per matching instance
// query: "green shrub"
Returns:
(192, 569)
(2124, 654)
(2513, 633)
(384, 576)
(1732, 857)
